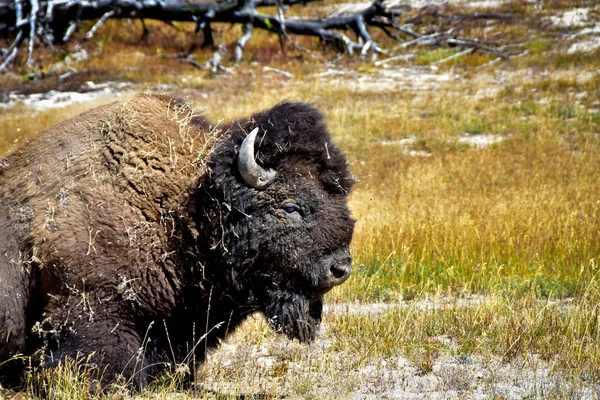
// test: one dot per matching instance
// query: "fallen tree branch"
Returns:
(59, 19)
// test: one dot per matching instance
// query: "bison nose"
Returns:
(339, 272)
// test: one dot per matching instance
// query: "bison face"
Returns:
(286, 229)
(299, 227)
(299, 246)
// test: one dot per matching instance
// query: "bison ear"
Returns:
(253, 174)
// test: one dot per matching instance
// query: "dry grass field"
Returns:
(477, 247)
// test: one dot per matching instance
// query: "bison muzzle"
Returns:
(138, 234)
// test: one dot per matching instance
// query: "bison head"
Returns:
(280, 227)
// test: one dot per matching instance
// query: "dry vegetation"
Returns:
(476, 268)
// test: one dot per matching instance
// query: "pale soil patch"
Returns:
(576, 17)
(585, 39)
(91, 93)
(406, 144)
(480, 141)
(257, 362)
(486, 85)
(476, 141)
(425, 304)
(469, 377)
(390, 78)
(590, 42)
(386, 78)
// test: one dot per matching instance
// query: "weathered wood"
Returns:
(56, 20)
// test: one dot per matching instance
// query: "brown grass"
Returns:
(516, 222)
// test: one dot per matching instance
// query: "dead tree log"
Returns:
(50, 22)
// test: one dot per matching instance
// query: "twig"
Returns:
(479, 46)
(88, 36)
(74, 21)
(98, 24)
(67, 74)
(70, 31)
(214, 64)
(184, 57)
(241, 43)
(453, 56)
(419, 40)
(404, 57)
(350, 45)
(369, 43)
(12, 51)
(284, 31)
(189, 60)
(524, 53)
(407, 31)
(487, 64)
(585, 31)
(49, 10)
(278, 71)
(384, 28)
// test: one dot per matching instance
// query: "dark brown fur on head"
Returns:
(275, 259)
(114, 228)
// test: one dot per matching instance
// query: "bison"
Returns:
(139, 234)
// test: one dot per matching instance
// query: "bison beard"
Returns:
(139, 227)
(294, 315)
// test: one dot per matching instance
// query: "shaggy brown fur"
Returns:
(131, 222)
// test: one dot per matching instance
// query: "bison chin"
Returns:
(295, 315)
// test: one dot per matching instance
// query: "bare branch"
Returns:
(19, 14)
(241, 43)
(421, 40)
(403, 57)
(214, 64)
(32, 21)
(453, 56)
(98, 24)
(478, 46)
(407, 31)
(284, 32)
(189, 60)
(70, 31)
(278, 71)
(487, 64)
(11, 53)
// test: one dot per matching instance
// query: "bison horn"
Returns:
(254, 175)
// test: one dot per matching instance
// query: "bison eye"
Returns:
(291, 208)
